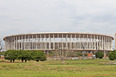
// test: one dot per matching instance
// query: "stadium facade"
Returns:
(67, 41)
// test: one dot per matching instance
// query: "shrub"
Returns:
(99, 55)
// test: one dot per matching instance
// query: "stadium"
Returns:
(53, 41)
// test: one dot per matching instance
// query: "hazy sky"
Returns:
(28, 16)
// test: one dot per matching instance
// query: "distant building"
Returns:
(71, 41)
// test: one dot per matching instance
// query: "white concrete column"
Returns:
(62, 41)
(111, 44)
(97, 43)
(16, 43)
(87, 42)
(13, 43)
(49, 42)
(80, 40)
(83, 41)
(21, 42)
(53, 41)
(70, 41)
(66, 41)
(45, 42)
(104, 44)
(32, 42)
(75, 42)
(91, 42)
(94, 43)
(5, 44)
(29, 43)
(58, 41)
(38, 46)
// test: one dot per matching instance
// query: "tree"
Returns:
(11, 55)
(24, 55)
(38, 55)
(99, 55)
(112, 56)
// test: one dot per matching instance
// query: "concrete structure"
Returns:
(71, 41)
(115, 41)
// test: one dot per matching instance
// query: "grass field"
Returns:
(53, 68)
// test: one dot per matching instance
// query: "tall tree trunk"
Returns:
(37, 60)
(22, 60)
(10, 60)
(13, 60)
(25, 61)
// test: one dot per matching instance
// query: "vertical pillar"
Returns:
(84, 41)
(24, 41)
(5, 44)
(75, 41)
(80, 40)
(32, 42)
(62, 41)
(70, 41)
(115, 41)
(97, 42)
(45, 42)
(29, 42)
(66, 41)
(13, 43)
(16, 43)
(87, 42)
(49, 42)
(36, 42)
(104, 44)
(54, 41)
(94, 43)
(108, 44)
(111, 44)
(40, 44)
(58, 41)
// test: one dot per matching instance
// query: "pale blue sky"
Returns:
(28, 16)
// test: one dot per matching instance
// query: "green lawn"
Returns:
(53, 68)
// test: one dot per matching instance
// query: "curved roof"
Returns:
(58, 33)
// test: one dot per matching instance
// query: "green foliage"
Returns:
(38, 55)
(111, 56)
(25, 55)
(99, 55)
(11, 55)
(2, 53)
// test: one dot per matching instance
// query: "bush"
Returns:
(99, 55)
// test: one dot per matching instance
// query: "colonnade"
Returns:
(56, 41)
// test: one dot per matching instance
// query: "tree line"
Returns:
(25, 55)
